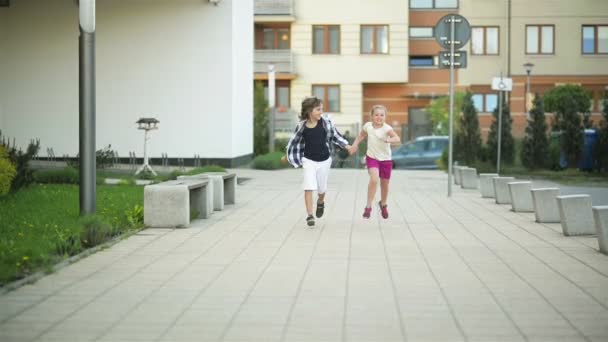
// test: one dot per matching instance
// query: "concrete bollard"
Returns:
(521, 198)
(576, 215)
(457, 176)
(501, 190)
(600, 215)
(469, 178)
(486, 184)
(545, 204)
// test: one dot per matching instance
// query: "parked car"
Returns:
(421, 153)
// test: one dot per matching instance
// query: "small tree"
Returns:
(260, 121)
(535, 144)
(566, 103)
(507, 145)
(439, 109)
(21, 160)
(468, 137)
(601, 147)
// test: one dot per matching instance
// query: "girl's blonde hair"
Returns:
(374, 107)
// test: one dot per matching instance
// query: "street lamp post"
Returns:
(271, 102)
(528, 66)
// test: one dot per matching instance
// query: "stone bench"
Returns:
(468, 178)
(600, 215)
(224, 187)
(457, 175)
(171, 203)
(545, 204)
(575, 214)
(486, 184)
(501, 189)
(521, 198)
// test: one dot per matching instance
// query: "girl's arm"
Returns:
(393, 138)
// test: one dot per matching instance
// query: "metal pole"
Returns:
(271, 105)
(527, 95)
(451, 138)
(86, 59)
(499, 130)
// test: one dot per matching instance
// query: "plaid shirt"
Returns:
(295, 147)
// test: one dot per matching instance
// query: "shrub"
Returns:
(207, 168)
(280, 145)
(467, 141)
(269, 161)
(68, 175)
(95, 231)
(135, 216)
(21, 160)
(507, 147)
(567, 102)
(260, 120)
(536, 144)
(103, 158)
(7, 171)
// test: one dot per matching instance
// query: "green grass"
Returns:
(40, 225)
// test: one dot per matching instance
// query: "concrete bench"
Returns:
(468, 178)
(600, 215)
(224, 187)
(486, 184)
(501, 189)
(545, 204)
(171, 203)
(575, 214)
(457, 175)
(521, 198)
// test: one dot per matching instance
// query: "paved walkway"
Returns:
(460, 269)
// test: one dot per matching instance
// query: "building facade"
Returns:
(357, 56)
(187, 63)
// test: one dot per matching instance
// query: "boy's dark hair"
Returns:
(308, 105)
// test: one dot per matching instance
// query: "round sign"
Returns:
(462, 31)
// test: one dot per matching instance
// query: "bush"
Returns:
(208, 168)
(95, 231)
(135, 216)
(601, 148)
(269, 161)
(7, 171)
(104, 158)
(507, 146)
(260, 120)
(535, 144)
(567, 102)
(280, 145)
(467, 141)
(68, 175)
(21, 160)
(554, 155)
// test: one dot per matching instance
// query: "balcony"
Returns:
(273, 7)
(282, 60)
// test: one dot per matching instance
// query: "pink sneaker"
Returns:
(383, 210)
(367, 212)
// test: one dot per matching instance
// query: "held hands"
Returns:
(351, 149)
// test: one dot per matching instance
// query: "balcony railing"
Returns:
(273, 7)
(282, 60)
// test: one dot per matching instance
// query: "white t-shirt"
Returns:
(377, 148)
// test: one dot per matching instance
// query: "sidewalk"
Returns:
(439, 269)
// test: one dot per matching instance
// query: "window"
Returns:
(422, 61)
(429, 4)
(485, 103)
(281, 94)
(484, 40)
(595, 39)
(540, 39)
(330, 94)
(272, 38)
(326, 39)
(421, 32)
(374, 39)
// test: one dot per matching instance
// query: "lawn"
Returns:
(40, 225)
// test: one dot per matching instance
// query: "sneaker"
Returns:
(367, 212)
(320, 209)
(310, 221)
(383, 210)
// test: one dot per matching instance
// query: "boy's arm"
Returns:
(292, 148)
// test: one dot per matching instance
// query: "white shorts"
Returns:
(315, 174)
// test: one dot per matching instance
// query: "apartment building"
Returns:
(385, 52)
(187, 63)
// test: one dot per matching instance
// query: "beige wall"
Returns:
(349, 69)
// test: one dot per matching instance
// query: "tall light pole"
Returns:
(86, 91)
(528, 66)
(271, 102)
